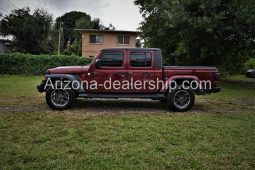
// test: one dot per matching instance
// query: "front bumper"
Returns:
(40, 87)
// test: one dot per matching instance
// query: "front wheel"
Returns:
(181, 99)
(60, 99)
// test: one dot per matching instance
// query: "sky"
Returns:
(123, 14)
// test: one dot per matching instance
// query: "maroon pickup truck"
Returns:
(129, 73)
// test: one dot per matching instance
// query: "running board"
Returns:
(116, 96)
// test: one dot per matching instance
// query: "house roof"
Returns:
(4, 40)
(111, 31)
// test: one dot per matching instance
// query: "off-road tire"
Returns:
(188, 99)
(66, 105)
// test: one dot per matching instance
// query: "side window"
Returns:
(140, 59)
(112, 59)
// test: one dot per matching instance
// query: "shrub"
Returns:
(223, 71)
(249, 64)
(17, 63)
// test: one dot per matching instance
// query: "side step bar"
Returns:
(116, 96)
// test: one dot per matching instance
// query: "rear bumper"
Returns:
(208, 91)
(40, 87)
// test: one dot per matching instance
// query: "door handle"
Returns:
(92, 74)
(146, 74)
(129, 73)
(122, 73)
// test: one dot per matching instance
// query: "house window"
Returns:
(96, 39)
(123, 39)
(140, 59)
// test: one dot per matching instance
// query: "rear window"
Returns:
(140, 59)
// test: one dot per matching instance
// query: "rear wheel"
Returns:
(60, 99)
(181, 99)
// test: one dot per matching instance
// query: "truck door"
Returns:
(140, 68)
(112, 68)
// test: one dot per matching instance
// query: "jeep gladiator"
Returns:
(144, 65)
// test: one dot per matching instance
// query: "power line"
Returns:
(31, 5)
(12, 4)
(28, 3)
(8, 7)
(5, 10)
(59, 36)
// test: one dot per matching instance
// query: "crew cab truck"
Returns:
(114, 73)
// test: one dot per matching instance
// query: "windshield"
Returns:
(95, 58)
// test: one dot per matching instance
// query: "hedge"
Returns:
(27, 64)
(249, 64)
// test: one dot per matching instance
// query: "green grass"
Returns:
(240, 78)
(19, 90)
(131, 141)
(218, 133)
(229, 91)
(13, 86)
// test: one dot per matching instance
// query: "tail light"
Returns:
(216, 76)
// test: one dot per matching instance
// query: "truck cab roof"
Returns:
(132, 49)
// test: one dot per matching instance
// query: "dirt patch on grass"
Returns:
(98, 107)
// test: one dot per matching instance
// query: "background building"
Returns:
(5, 44)
(94, 40)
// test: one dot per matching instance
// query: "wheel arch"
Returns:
(70, 77)
(179, 80)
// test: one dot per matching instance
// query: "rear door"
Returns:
(140, 68)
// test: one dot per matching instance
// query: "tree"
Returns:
(30, 31)
(96, 24)
(138, 43)
(199, 32)
(71, 41)
(68, 22)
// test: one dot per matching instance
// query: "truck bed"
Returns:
(189, 68)
(201, 72)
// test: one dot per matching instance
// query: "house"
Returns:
(5, 45)
(94, 40)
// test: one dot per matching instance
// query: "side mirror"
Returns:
(98, 63)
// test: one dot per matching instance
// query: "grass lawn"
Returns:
(218, 133)
(240, 78)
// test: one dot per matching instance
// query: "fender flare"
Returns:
(177, 77)
(70, 77)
